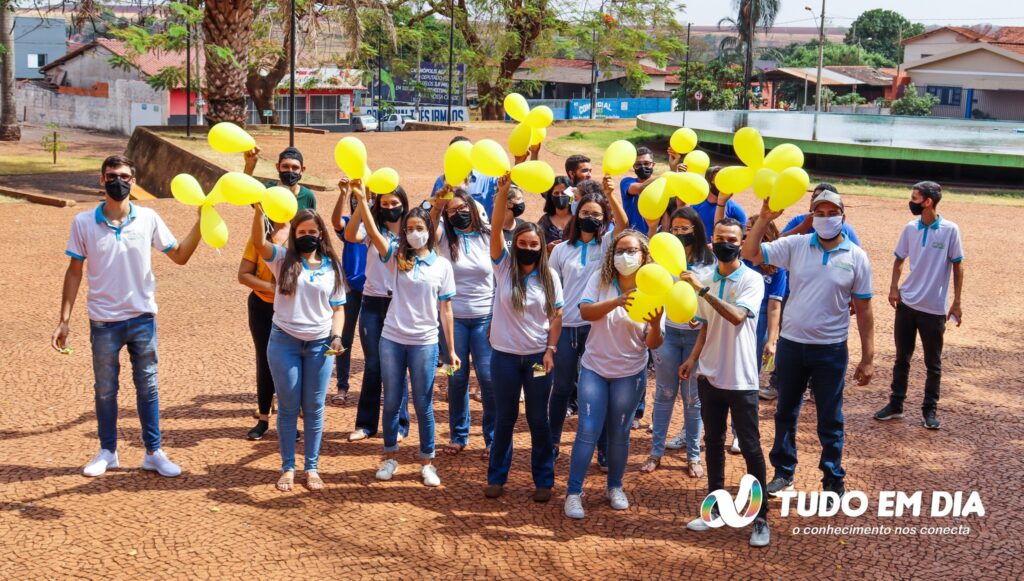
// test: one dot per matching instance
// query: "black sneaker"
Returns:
(257, 432)
(602, 463)
(839, 488)
(778, 484)
(930, 421)
(891, 411)
(298, 435)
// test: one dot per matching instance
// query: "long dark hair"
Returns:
(478, 225)
(574, 232)
(375, 210)
(549, 203)
(519, 279)
(291, 267)
(700, 252)
(406, 255)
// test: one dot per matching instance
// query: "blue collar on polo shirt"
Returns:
(583, 254)
(325, 263)
(101, 219)
(429, 260)
(845, 246)
(733, 276)
(464, 233)
(933, 226)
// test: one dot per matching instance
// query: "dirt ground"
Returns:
(223, 518)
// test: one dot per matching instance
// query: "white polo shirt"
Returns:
(474, 274)
(412, 316)
(118, 261)
(821, 286)
(702, 272)
(521, 332)
(308, 312)
(932, 250)
(729, 358)
(575, 264)
(615, 346)
(380, 273)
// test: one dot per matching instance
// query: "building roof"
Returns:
(1010, 38)
(868, 75)
(973, 47)
(810, 74)
(964, 32)
(149, 63)
(574, 71)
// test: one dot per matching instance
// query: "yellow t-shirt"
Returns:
(262, 272)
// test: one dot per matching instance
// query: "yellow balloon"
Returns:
(791, 185)
(227, 137)
(280, 204)
(519, 139)
(489, 158)
(383, 181)
(240, 189)
(212, 228)
(689, 187)
(733, 179)
(186, 189)
(540, 117)
(534, 176)
(619, 158)
(764, 182)
(457, 162)
(644, 305)
(538, 135)
(697, 162)
(350, 155)
(669, 252)
(654, 199)
(654, 280)
(784, 156)
(215, 196)
(681, 303)
(683, 140)
(749, 147)
(516, 106)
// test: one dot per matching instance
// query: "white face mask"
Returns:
(829, 227)
(627, 264)
(417, 239)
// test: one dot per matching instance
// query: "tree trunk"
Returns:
(227, 25)
(263, 89)
(9, 129)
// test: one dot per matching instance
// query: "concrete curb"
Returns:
(38, 198)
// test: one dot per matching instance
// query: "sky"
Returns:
(843, 12)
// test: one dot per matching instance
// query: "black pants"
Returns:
(715, 407)
(910, 323)
(353, 300)
(261, 315)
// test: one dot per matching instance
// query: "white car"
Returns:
(395, 122)
(364, 123)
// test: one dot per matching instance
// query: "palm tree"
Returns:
(9, 129)
(227, 31)
(745, 23)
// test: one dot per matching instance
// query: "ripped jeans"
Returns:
(673, 352)
(608, 404)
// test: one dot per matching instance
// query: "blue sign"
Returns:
(433, 84)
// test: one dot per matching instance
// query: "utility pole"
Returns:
(748, 66)
(686, 75)
(451, 54)
(188, 79)
(291, 88)
(821, 58)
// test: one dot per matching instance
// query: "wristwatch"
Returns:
(703, 291)
(426, 205)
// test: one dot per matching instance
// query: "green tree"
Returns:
(751, 15)
(911, 103)
(880, 30)
(806, 55)
(719, 83)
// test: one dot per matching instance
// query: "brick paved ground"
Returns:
(223, 519)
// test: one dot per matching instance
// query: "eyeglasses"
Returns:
(119, 176)
(624, 251)
(588, 214)
(682, 230)
(452, 210)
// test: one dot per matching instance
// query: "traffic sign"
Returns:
(698, 96)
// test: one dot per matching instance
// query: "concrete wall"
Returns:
(37, 104)
(938, 43)
(37, 36)
(979, 69)
(159, 161)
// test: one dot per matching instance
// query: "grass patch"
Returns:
(16, 165)
(593, 143)
(10, 200)
(881, 189)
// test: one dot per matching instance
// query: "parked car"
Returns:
(395, 122)
(364, 123)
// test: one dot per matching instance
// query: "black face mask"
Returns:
(527, 257)
(391, 214)
(461, 220)
(725, 252)
(306, 244)
(686, 239)
(289, 178)
(643, 173)
(518, 209)
(118, 189)
(916, 209)
(590, 225)
(560, 202)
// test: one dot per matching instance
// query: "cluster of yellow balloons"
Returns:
(533, 123)
(778, 176)
(689, 186)
(350, 155)
(656, 286)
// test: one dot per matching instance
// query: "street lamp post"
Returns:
(188, 80)
(291, 87)
(451, 54)
(821, 55)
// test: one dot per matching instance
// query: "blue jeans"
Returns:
(514, 374)
(762, 334)
(371, 324)
(421, 362)
(301, 370)
(609, 405)
(471, 342)
(673, 352)
(825, 367)
(572, 343)
(353, 304)
(139, 335)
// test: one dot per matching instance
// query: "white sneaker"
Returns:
(100, 462)
(387, 469)
(698, 525)
(618, 498)
(573, 507)
(735, 449)
(357, 435)
(159, 462)
(430, 477)
(677, 443)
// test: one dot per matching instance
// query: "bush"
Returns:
(849, 99)
(575, 135)
(913, 104)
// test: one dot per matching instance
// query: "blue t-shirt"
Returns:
(775, 285)
(847, 229)
(481, 188)
(632, 206)
(353, 261)
(706, 210)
